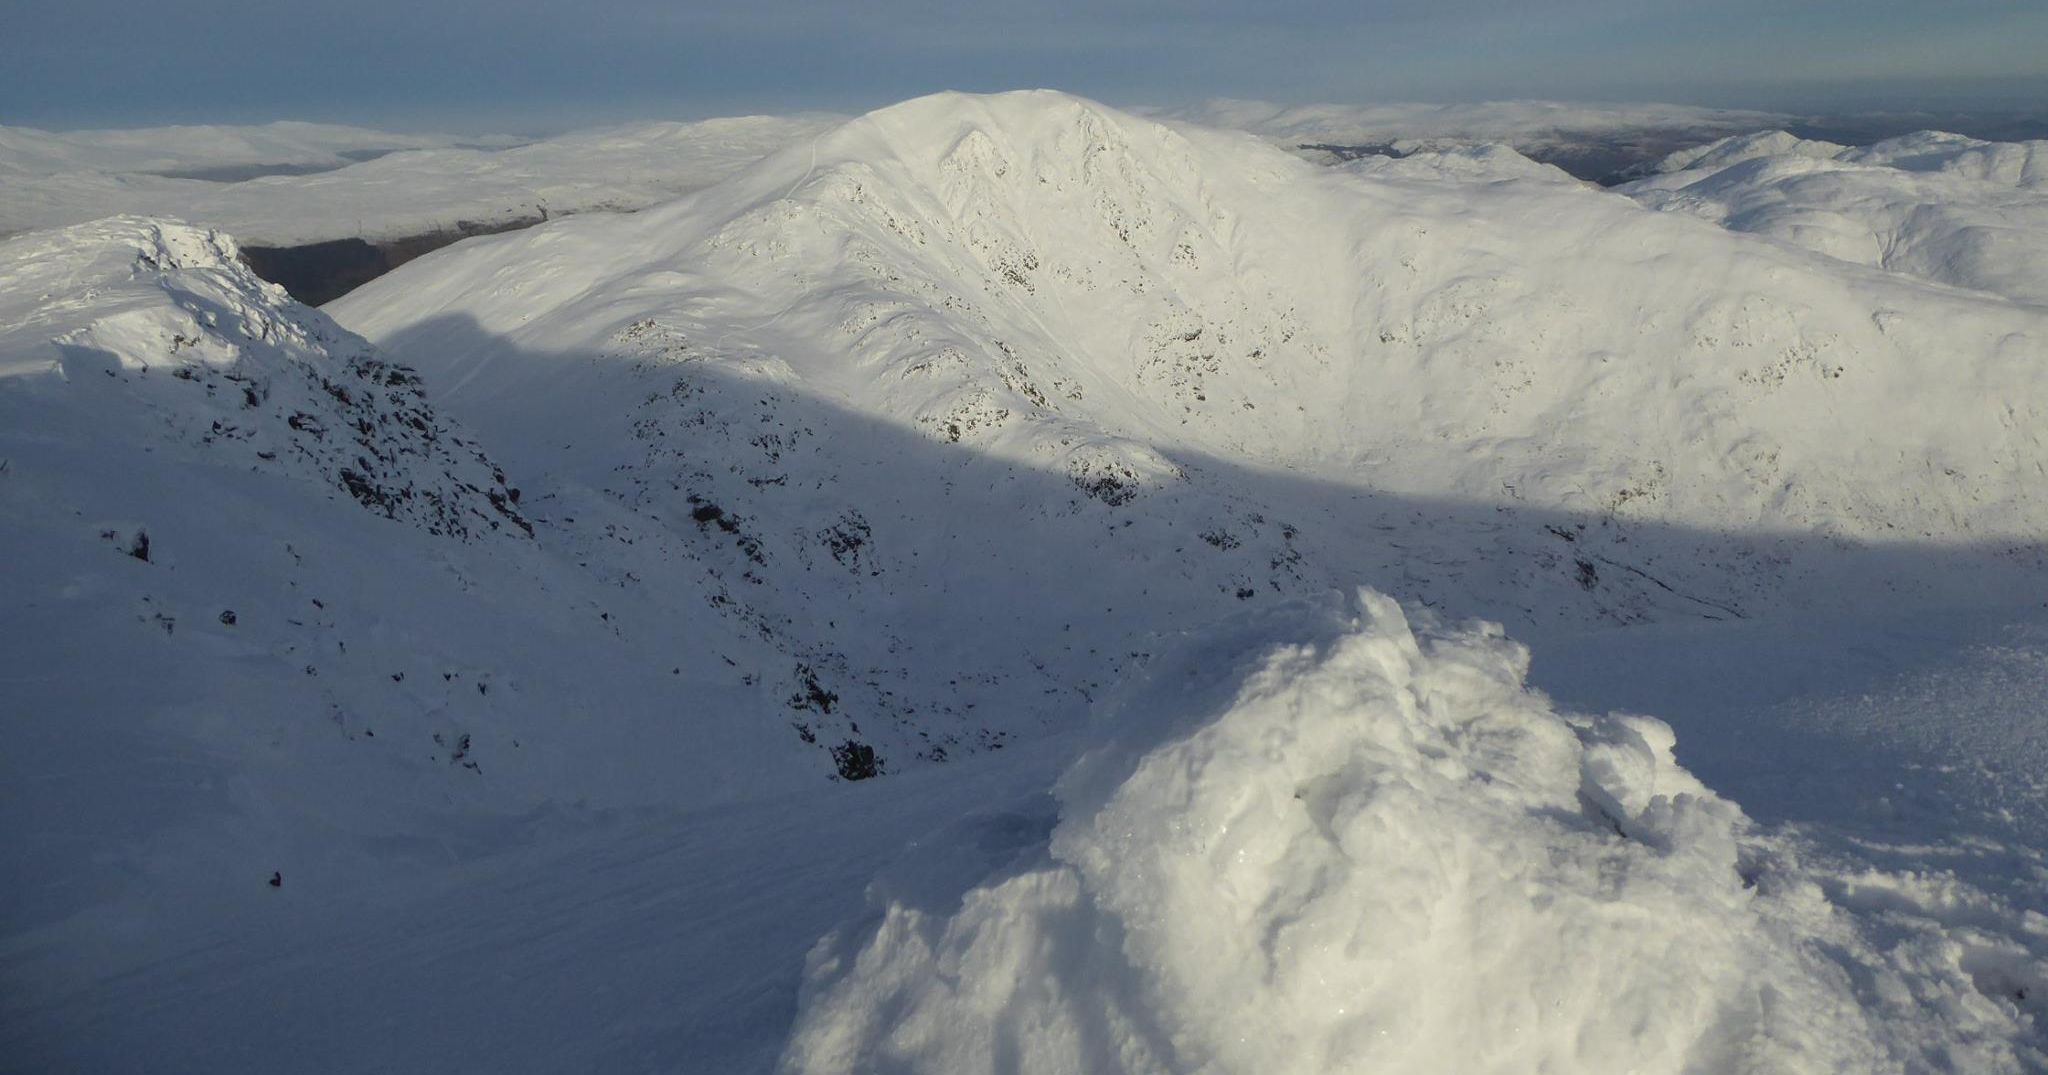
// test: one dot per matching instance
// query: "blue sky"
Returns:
(536, 65)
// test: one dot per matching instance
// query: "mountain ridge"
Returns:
(1153, 331)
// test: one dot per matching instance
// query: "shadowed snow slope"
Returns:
(1124, 374)
(267, 610)
(1380, 852)
(1937, 206)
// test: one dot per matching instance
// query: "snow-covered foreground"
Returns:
(503, 691)
(269, 614)
(586, 940)
(676, 940)
(1375, 851)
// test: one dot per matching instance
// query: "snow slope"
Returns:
(1936, 206)
(290, 395)
(268, 610)
(1031, 339)
(997, 431)
(1736, 149)
(2012, 164)
(435, 188)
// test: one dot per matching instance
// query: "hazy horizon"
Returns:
(526, 67)
(548, 119)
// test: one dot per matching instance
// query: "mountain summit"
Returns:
(944, 370)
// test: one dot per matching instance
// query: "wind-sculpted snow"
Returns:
(1936, 206)
(1376, 850)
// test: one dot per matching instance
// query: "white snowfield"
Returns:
(25, 151)
(540, 641)
(433, 188)
(1937, 206)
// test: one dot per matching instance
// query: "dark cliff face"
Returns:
(319, 273)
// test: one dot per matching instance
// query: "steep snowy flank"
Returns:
(1378, 851)
(432, 189)
(268, 611)
(1936, 206)
(1122, 374)
(978, 264)
(225, 367)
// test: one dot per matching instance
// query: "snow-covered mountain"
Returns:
(1591, 141)
(1143, 375)
(549, 629)
(1487, 161)
(1937, 206)
(435, 187)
